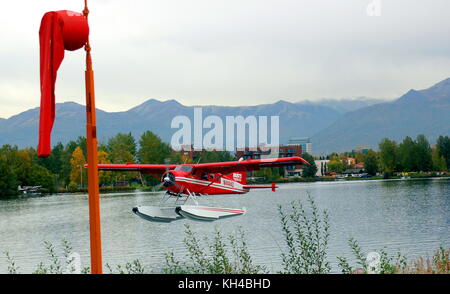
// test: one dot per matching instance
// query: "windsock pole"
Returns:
(92, 143)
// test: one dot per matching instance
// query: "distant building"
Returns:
(281, 151)
(351, 161)
(187, 151)
(359, 165)
(322, 167)
(290, 151)
(305, 143)
(362, 148)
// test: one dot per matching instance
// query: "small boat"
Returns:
(29, 189)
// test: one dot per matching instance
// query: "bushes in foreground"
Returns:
(67, 262)
(215, 256)
(383, 263)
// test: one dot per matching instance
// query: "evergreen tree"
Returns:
(388, 156)
(443, 146)
(424, 161)
(122, 148)
(371, 163)
(55, 162)
(154, 150)
(408, 155)
(66, 168)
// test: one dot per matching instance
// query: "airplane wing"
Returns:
(248, 165)
(215, 167)
(155, 169)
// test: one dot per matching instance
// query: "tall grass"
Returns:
(439, 263)
(213, 256)
(397, 263)
(134, 267)
(62, 262)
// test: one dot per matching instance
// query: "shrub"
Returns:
(73, 187)
(214, 257)
(306, 236)
(134, 267)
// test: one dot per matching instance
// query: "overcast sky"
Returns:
(231, 52)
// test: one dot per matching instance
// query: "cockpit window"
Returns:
(185, 168)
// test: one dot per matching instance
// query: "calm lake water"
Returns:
(412, 216)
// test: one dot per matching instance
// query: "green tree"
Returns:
(66, 167)
(154, 150)
(22, 168)
(213, 156)
(122, 148)
(424, 160)
(309, 171)
(388, 155)
(336, 165)
(408, 155)
(8, 182)
(371, 162)
(439, 163)
(55, 162)
(443, 147)
(40, 176)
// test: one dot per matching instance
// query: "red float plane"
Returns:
(190, 180)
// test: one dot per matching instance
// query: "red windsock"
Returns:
(59, 30)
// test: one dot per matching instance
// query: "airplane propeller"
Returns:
(168, 179)
(156, 188)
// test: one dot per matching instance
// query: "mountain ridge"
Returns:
(415, 112)
(156, 115)
(333, 125)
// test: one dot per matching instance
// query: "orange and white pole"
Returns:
(92, 143)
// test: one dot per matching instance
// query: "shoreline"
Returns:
(347, 179)
(149, 189)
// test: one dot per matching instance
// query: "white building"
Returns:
(322, 167)
(304, 142)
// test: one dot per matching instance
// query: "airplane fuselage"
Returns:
(182, 182)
